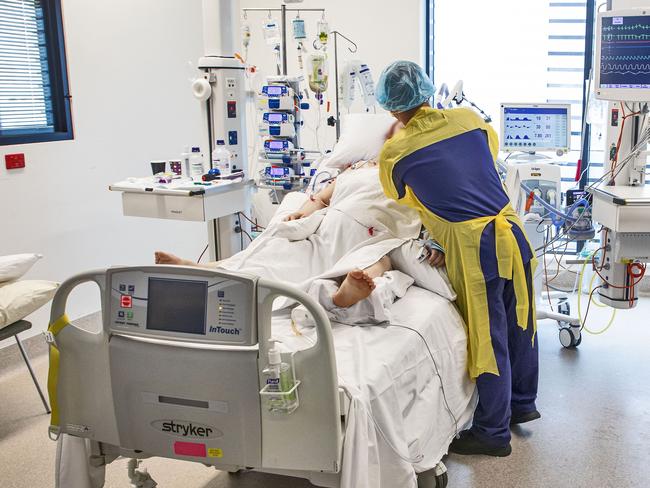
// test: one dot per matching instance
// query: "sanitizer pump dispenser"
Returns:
(280, 389)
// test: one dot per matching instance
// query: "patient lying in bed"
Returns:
(337, 246)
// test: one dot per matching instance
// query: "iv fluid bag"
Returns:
(367, 84)
(347, 84)
(318, 72)
(323, 30)
(299, 32)
(272, 33)
(245, 35)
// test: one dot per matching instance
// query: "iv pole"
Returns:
(337, 121)
(283, 26)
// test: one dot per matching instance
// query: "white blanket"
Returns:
(399, 422)
(359, 227)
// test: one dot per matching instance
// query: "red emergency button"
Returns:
(126, 301)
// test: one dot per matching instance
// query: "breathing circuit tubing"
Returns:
(554, 211)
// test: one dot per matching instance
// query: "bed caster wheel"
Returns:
(569, 339)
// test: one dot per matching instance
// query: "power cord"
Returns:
(204, 250)
(437, 371)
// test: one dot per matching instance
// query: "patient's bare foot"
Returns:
(167, 258)
(356, 286)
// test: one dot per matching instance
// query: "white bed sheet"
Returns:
(390, 374)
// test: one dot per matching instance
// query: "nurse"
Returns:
(442, 163)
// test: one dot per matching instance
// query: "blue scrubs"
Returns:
(442, 164)
(462, 191)
(514, 391)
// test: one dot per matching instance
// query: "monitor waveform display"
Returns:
(532, 128)
(625, 52)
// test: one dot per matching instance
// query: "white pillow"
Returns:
(362, 138)
(405, 259)
(14, 266)
(20, 298)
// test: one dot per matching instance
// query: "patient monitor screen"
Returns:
(625, 52)
(535, 128)
(177, 305)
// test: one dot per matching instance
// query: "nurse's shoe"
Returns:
(522, 418)
(467, 443)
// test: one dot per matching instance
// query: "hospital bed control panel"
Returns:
(168, 302)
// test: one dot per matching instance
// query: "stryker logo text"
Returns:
(222, 330)
(182, 428)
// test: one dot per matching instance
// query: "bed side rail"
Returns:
(311, 437)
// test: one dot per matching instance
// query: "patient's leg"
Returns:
(358, 284)
(167, 258)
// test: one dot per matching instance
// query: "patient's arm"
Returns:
(316, 202)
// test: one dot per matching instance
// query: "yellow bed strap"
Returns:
(53, 374)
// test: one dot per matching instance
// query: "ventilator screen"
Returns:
(535, 127)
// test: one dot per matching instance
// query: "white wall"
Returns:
(129, 78)
(128, 70)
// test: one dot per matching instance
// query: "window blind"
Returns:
(25, 91)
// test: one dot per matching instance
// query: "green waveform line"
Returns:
(626, 37)
(626, 58)
(626, 27)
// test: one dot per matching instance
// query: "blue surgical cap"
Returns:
(402, 86)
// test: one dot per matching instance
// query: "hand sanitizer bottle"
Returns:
(279, 378)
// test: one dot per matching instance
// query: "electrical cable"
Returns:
(366, 409)
(257, 226)
(583, 322)
(206, 248)
(247, 235)
(437, 371)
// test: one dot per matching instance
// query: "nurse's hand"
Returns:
(437, 258)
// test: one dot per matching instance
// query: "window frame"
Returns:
(58, 71)
(429, 64)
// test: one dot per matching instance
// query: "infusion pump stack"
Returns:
(621, 198)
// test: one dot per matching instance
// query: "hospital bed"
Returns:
(175, 370)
